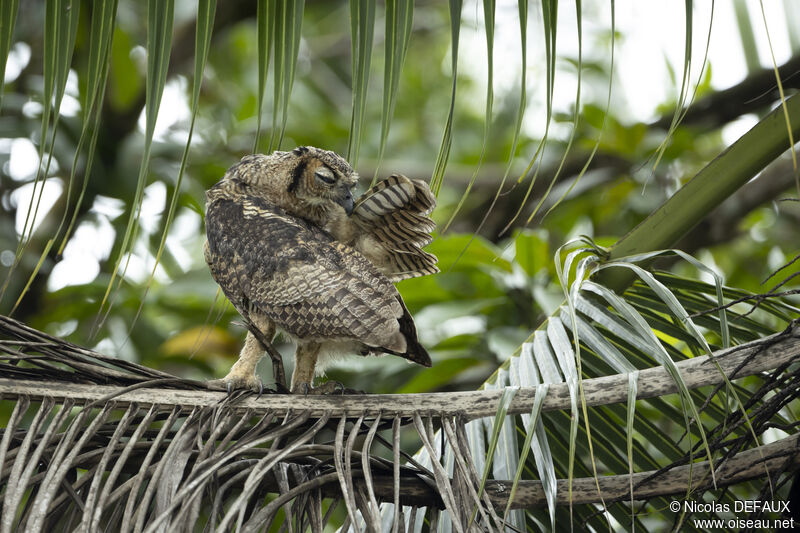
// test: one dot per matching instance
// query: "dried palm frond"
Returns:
(97, 443)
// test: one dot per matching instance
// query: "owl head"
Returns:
(320, 177)
(308, 182)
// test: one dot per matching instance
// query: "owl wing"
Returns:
(310, 285)
(395, 214)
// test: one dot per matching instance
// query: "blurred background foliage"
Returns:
(497, 284)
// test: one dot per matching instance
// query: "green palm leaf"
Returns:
(159, 41)
(447, 138)
(8, 18)
(362, 30)
(288, 25)
(399, 19)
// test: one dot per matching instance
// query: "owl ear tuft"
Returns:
(300, 150)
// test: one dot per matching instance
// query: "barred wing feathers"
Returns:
(311, 286)
(393, 217)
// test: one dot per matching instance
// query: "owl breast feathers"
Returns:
(288, 244)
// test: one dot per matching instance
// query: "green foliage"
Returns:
(392, 86)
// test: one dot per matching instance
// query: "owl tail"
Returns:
(395, 213)
(403, 343)
(415, 351)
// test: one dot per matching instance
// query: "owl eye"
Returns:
(325, 175)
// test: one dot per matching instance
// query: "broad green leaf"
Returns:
(531, 251)
(125, 83)
(482, 254)
(447, 371)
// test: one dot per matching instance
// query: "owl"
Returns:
(292, 249)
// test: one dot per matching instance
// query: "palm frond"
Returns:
(8, 19)
(95, 441)
(715, 182)
(663, 325)
(160, 16)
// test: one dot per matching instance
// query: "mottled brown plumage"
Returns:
(291, 248)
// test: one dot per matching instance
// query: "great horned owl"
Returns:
(291, 248)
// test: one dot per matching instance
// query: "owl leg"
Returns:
(243, 372)
(265, 340)
(305, 360)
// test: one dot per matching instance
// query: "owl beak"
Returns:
(347, 201)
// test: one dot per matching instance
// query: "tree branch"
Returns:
(744, 360)
(751, 95)
(746, 465)
(237, 448)
(722, 224)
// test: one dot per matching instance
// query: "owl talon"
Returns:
(303, 388)
(232, 383)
